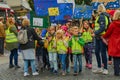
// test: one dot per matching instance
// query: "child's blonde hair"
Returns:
(59, 32)
(116, 15)
(101, 8)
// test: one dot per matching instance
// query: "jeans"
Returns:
(1, 45)
(62, 58)
(32, 63)
(53, 61)
(13, 54)
(77, 60)
(100, 52)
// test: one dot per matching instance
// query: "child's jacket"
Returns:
(86, 36)
(62, 46)
(76, 45)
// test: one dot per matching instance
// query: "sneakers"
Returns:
(55, 72)
(26, 74)
(35, 73)
(86, 65)
(105, 71)
(17, 67)
(51, 69)
(75, 74)
(90, 66)
(63, 73)
(11, 66)
(97, 71)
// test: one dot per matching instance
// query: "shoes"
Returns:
(86, 65)
(80, 71)
(26, 74)
(1, 55)
(110, 62)
(105, 71)
(35, 73)
(11, 66)
(75, 74)
(52, 70)
(17, 67)
(55, 72)
(116, 74)
(63, 73)
(97, 71)
(90, 66)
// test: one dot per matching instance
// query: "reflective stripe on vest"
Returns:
(76, 47)
(61, 48)
(97, 26)
(10, 36)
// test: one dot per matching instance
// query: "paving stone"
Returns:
(17, 74)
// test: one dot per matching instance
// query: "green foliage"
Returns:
(83, 2)
(31, 3)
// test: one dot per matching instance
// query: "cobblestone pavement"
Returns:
(12, 74)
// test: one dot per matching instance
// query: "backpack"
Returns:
(22, 37)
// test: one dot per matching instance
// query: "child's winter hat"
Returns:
(65, 28)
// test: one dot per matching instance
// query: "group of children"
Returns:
(64, 45)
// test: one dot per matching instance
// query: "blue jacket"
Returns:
(102, 23)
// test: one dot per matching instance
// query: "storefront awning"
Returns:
(4, 6)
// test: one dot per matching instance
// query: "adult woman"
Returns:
(12, 42)
(2, 37)
(100, 47)
(113, 37)
(28, 49)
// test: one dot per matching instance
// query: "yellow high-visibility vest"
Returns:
(10, 36)
(76, 47)
(97, 26)
(61, 48)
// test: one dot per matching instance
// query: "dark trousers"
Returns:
(13, 55)
(88, 52)
(109, 58)
(46, 58)
(1, 45)
(100, 52)
(116, 61)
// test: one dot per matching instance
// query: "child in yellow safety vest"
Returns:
(88, 47)
(76, 43)
(62, 45)
(52, 53)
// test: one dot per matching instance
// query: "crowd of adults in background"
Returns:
(62, 45)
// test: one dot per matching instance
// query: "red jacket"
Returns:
(113, 36)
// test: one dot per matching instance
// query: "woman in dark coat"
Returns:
(28, 49)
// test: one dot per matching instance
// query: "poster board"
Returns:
(41, 7)
(37, 21)
(65, 12)
(83, 12)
